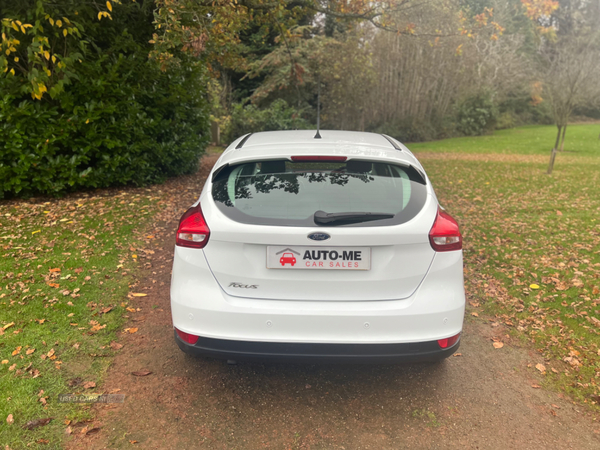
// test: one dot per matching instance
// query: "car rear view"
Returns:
(332, 248)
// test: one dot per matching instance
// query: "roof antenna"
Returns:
(318, 135)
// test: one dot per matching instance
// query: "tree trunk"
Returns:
(562, 141)
(553, 154)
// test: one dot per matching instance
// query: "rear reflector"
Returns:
(445, 234)
(320, 158)
(193, 232)
(187, 337)
(448, 342)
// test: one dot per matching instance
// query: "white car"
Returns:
(322, 247)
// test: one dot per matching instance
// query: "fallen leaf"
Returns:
(138, 294)
(457, 354)
(40, 321)
(133, 442)
(498, 345)
(132, 330)
(32, 424)
(55, 270)
(5, 361)
(10, 419)
(13, 367)
(115, 345)
(17, 350)
(89, 385)
(74, 382)
(535, 386)
(50, 353)
(68, 430)
(558, 213)
(30, 351)
(474, 314)
(540, 367)
(7, 326)
(141, 373)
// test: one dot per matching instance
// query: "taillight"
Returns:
(448, 342)
(193, 231)
(445, 235)
(187, 337)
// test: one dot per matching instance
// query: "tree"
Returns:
(570, 80)
(568, 58)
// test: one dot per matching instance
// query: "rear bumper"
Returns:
(330, 353)
(435, 311)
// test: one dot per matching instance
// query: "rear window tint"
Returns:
(286, 193)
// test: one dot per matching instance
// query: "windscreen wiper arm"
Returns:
(323, 218)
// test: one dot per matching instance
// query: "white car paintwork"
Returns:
(224, 291)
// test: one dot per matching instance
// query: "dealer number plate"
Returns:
(319, 258)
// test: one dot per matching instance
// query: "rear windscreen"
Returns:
(286, 193)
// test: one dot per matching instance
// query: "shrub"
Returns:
(124, 121)
(476, 115)
(250, 119)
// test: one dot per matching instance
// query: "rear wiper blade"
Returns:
(321, 217)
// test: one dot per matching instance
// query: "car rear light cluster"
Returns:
(445, 234)
(187, 337)
(193, 232)
(448, 342)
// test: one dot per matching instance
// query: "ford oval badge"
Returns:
(318, 236)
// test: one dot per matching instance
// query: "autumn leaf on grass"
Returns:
(97, 328)
(17, 351)
(30, 351)
(32, 424)
(89, 385)
(498, 344)
(141, 373)
(10, 419)
(7, 326)
(541, 368)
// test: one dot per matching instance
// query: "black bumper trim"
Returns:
(297, 352)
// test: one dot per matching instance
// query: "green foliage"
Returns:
(476, 115)
(516, 110)
(249, 119)
(123, 122)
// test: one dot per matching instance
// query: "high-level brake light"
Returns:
(319, 158)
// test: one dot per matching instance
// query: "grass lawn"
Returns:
(66, 271)
(532, 241)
